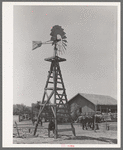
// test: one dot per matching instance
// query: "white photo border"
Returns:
(7, 72)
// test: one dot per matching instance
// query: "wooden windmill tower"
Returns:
(54, 92)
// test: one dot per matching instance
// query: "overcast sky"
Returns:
(91, 52)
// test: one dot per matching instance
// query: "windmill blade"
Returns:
(60, 49)
(61, 52)
(64, 37)
(63, 49)
(64, 43)
(64, 46)
(36, 44)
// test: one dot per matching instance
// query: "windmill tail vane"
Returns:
(36, 44)
(58, 39)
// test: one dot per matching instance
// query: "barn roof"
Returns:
(98, 99)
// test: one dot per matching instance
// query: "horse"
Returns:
(86, 121)
(83, 121)
(91, 121)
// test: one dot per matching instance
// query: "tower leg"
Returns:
(73, 129)
(55, 84)
(36, 126)
(55, 132)
(41, 110)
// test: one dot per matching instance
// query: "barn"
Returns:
(89, 103)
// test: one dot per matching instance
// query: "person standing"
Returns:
(51, 127)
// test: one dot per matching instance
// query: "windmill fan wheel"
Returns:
(58, 38)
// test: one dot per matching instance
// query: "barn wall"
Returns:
(105, 108)
(80, 102)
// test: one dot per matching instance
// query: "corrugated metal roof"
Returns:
(98, 99)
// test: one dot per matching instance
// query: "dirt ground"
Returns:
(101, 136)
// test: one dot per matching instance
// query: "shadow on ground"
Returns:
(108, 140)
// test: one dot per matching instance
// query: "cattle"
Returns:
(83, 120)
(88, 121)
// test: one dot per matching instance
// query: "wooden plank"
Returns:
(53, 88)
(62, 108)
(61, 78)
(33, 127)
(66, 123)
(17, 128)
(63, 113)
(60, 99)
(62, 94)
(50, 82)
(41, 110)
(59, 82)
(62, 105)
(23, 124)
(49, 88)
(47, 104)
(63, 116)
(60, 89)
(49, 117)
(62, 130)
(51, 76)
(53, 112)
(51, 106)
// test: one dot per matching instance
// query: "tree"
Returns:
(19, 109)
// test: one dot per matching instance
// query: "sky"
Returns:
(91, 54)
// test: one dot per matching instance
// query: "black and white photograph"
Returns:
(61, 74)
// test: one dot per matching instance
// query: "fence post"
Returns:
(95, 120)
(19, 118)
(17, 129)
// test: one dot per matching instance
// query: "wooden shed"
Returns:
(88, 103)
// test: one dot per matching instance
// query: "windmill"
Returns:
(58, 39)
(54, 92)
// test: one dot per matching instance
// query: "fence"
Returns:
(24, 117)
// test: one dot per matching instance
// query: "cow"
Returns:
(90, 121)
(87, 121)
(83, 120)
